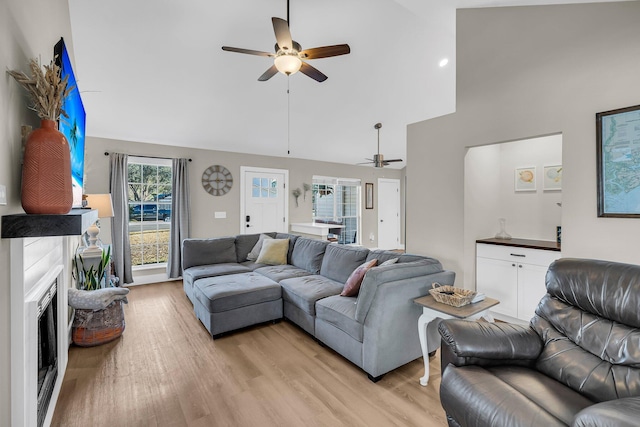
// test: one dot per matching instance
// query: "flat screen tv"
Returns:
(73, 127)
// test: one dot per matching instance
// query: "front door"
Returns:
(388, 213)
(264, 201)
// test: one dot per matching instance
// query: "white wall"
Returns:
(524, 72)
(28, 29)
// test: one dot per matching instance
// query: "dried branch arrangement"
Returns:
(46, 89)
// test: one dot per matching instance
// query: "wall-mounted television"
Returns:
(73, 127)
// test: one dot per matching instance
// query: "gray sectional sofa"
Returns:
(377, 330)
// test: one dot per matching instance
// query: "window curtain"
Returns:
(180, 221)
(121, 252)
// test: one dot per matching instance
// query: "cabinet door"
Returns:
(499, 279)
(531, 289)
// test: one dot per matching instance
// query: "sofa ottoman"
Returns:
(226, 303)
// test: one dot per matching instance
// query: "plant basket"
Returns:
(91, 328)
(450, 295)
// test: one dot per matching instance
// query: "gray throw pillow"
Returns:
(255, 252)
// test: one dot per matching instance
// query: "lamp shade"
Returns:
(288, 63)
(101, 202)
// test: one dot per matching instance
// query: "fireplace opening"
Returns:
(47, 349)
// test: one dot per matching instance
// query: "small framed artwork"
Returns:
(617, 136)
(368, 195)
(552, 178)
(525, 179)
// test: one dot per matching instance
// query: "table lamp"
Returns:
(101, 202)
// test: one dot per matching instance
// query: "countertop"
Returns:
(546, 245)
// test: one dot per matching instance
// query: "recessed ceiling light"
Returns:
(443, 62)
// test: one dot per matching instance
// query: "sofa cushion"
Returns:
(246, 242)
(308, 254)
(208, 251)
(200, 271)
(225, 293)
(352, 286)
(595, 356)
(473, 395)
(277, 273)
(303, 292)
(340, 261)
(252, 265)
(273, 252)
(341, 313)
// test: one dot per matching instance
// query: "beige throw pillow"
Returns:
(274, 252)
(253, 255)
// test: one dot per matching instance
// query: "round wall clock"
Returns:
(217, 180)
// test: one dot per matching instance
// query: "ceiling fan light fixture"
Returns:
(288, 63)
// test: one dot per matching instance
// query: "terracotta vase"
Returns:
(46, 172)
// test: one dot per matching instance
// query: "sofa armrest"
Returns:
(482, 343)
(390, 336)
(623, 412)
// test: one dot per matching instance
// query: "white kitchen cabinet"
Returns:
(513, 274)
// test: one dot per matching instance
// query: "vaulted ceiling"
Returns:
(154, 71)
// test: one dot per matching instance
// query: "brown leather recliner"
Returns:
(577, 363)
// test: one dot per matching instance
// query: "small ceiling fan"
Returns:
(289, 56)
(378, 159)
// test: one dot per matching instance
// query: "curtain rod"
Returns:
(106, 153)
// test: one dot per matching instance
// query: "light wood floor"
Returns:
(167, 371)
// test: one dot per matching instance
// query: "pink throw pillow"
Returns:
(352, 286)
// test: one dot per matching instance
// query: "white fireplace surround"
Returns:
(35, 264)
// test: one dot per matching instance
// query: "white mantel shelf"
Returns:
(315, 229)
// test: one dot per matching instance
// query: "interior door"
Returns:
(388, 213)
(264, 205)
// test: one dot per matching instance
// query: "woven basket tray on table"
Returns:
(92, 328)
(450, 295)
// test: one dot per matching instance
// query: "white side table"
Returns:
(432, 310)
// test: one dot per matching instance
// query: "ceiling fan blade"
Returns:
(312, 72)
(325, 51)
(272, 71)
(247, 51)
(393, 160)
(283, 35)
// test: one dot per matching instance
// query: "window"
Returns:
(337, 201)
(149, 185)
(264, 187)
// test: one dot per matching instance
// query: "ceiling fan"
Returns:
(378, 159)
(289, 56)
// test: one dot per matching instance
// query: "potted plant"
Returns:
(95, 277)
(97, 302)
(46, 170)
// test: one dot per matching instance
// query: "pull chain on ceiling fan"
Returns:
(289, 56)
(378, 159)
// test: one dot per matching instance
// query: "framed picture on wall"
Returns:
(552, 178)
(618, 162)
(368, 195)
(525, 179)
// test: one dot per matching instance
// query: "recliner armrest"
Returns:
(623, 412)
(483, 343)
